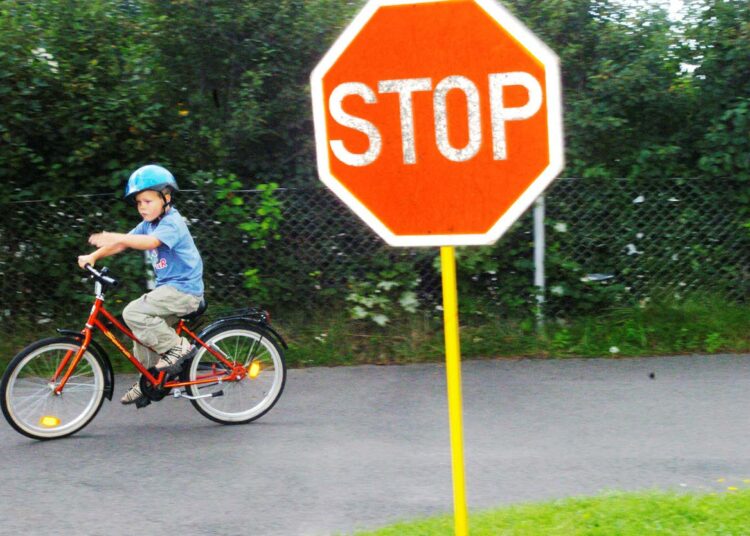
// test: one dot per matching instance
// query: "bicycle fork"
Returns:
(78, 355)
(90, 322)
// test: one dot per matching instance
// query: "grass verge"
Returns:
(333, 339)
(687, 327)
(622, 514)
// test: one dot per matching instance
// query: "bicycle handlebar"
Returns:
(102, 276)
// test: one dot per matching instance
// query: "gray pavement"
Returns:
(360, 447)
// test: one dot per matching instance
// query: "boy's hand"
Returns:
(83, 260)
(104, 239)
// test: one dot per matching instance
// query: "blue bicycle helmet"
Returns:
(149, 177)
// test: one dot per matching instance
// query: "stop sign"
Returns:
(438, 122)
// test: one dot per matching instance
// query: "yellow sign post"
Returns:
(453, 379)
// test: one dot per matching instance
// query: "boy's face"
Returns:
(149, 204)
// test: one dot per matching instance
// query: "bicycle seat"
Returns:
(198, 312)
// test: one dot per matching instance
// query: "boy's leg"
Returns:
(150, 317)
(148, 359)
(144, 355)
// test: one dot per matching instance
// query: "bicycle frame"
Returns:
(232, 372)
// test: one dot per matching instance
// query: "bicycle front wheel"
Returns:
(241, 400)
(29, 401)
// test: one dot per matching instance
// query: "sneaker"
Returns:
(172, 359)
(133, 395)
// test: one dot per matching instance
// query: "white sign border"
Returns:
(554, 126)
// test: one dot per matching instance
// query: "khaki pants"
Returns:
(151, 316)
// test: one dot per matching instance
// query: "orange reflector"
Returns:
(254, 370)
(49, 421)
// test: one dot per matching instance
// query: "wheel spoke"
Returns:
(30, 405)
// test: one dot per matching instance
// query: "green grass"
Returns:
(621, 514)
(687, 327)
(693, 326)
(700, 325)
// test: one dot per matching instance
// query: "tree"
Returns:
(240, 70)
(626, 101)
(80, 99)
(722, 49)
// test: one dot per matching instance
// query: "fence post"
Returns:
(539, 260)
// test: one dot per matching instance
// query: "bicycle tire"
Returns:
(250, 398)
(28, 401)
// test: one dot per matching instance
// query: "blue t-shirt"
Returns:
(176, 261)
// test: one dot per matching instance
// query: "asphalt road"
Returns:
(360, 447)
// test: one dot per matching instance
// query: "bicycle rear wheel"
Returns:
(252, 396)
(29, 402)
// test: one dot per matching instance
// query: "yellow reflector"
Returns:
(49, 421)
(254, 370)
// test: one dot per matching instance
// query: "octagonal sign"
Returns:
(439, 122)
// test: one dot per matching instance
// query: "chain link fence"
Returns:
(659, 239)
(666, 239)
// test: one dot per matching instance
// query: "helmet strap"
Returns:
(166, 205)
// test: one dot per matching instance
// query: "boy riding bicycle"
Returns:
(177, 265)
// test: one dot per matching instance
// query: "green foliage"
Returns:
(626, 99)
(257, 213)
(713, 342)
(92, 89)
(497, 280)
(269, 217)
(254, 282)
(700, 324)
(727, 144)
(384, 294)
(81, 100)
(722, 46)
(241, 69)
(259, 219)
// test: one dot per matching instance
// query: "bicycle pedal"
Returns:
(142, 402)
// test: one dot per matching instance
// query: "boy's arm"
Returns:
(100, 253)
(113, 243)
(120, 241)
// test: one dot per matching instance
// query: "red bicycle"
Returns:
(56, 386)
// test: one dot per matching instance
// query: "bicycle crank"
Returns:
(152, 392)
(179, 394)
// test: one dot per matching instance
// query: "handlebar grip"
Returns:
(110, 281)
